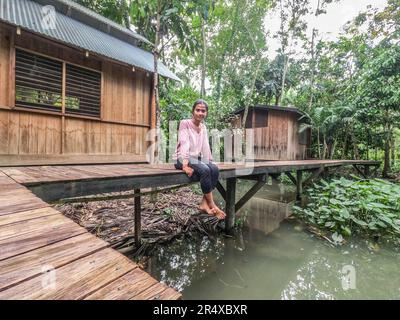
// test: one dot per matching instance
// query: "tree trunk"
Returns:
(332, 151)
(125, 14)
(218, 88)
(324, 148)
(344, 154)
(203, 65)
(319, 144)
(355, 147)
(387, 136)
(393, 150)
(156, 155)
(285, 68)
(155, 81)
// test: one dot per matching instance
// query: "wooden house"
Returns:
(279, 132)
(75, 87)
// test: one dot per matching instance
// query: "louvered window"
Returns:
(83, 91)
(38, 81)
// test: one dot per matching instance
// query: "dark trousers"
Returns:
(206, 173)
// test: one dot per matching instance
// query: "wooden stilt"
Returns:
(299, 184)
(138, 219)
(366, 171)
(230, 204)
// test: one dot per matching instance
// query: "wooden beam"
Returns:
(255, 177)
(138, 219)
(359, 171)
(221, 190)
(230, 204)
(313, 176)
(71, 189)
(249, 194)
(120, 196)
(293, 179)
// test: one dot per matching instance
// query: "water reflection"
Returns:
(273, 258)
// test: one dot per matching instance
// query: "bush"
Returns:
(345, 207)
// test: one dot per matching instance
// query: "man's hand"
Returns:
(188, 170)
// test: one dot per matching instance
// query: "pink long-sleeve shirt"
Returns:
(192, 142)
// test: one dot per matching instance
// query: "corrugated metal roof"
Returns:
(87, 16)
(30, 15)
(278, 108)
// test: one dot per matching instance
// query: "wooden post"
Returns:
(275, 180)
(366, 171)
(138, 219)
(325, 174)
(299, 184)
(11, 75)
(230, 204)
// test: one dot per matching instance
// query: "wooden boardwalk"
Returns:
(44, 255)
(38, 242)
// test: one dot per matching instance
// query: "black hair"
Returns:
(199, 101)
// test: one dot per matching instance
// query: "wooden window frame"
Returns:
(62, 112)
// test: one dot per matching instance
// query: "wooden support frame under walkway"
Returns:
(52, 183)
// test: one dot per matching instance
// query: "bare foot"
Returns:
(219, 213)
(204, 207)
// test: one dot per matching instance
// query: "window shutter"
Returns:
(83, 91)
(38, 81)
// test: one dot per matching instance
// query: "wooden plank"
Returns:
(75, 280)
(13, 134)
(5, 48)
(170, 294)
(23, 137)
(28, 265)
(26, 215)
(152, 293)
(55, 159)
(126, 287)
(28, 235)
(19, 200)
(4, 125)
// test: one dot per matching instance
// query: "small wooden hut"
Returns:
(280, 133)
(74, 86)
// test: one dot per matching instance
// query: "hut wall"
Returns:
(29, 136)
(279, 138)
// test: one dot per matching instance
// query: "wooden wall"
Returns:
(279, 139)
(40, 137)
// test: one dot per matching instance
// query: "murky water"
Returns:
(274, 258)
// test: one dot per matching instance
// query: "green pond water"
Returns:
(273, 257)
